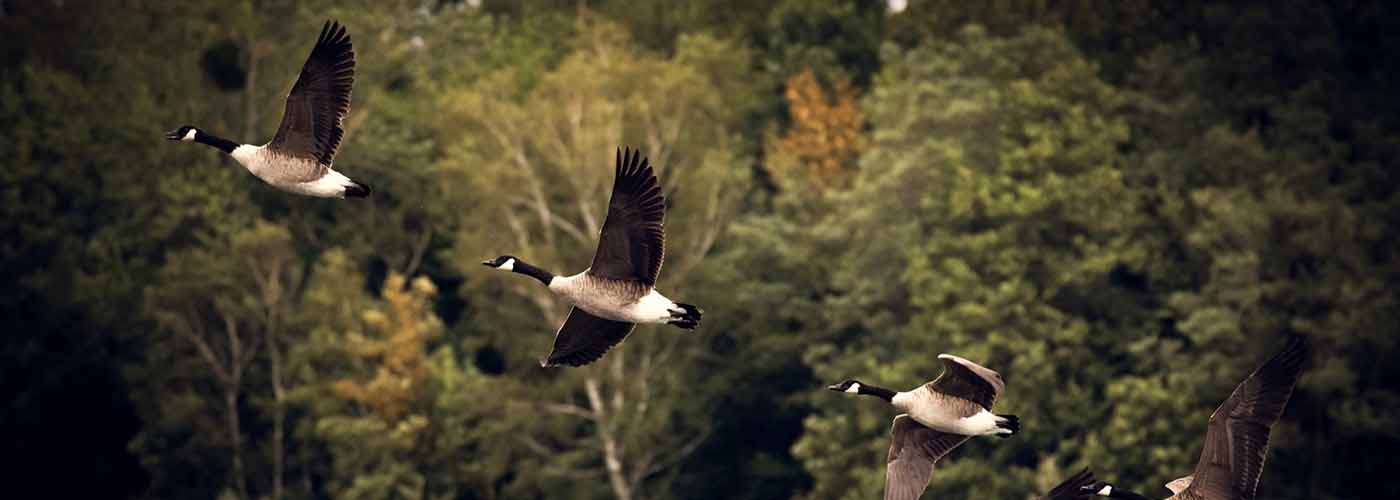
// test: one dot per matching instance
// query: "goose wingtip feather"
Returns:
(358, 190)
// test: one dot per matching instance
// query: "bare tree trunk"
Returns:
(415, 258)
(230, 378)
(279, 411)
(268, 275)
(305, 472)
(232, 383)
(612, 454)
(235, 435)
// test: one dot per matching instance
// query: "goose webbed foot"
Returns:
(684, 324)
(1010, 425)
(685, 316)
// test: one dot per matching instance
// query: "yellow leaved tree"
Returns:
(825, 134)
(400, 354)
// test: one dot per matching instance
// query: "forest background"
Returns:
(1122, 206)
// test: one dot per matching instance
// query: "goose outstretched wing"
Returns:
(914, 449)
(583, 338)
(317, 104)
(632, 242)
(968, 380)
(1237, 439)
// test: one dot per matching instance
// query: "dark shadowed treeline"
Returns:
(1121, 207)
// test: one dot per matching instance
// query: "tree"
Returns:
(375, 439)
(1128, 203)
(401, 370)
(382, 410)
(836, 39)
(825, 134)
(988, 226)
(540, 166)
(1263, 232)
(220, 311)
(94, 203)
(765, 290)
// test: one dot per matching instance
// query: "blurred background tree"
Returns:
(825, 133)
(1122, 206)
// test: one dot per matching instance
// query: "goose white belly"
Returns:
(614, 300)
(331, 185)
(274, 168)
(943, 413)
(652, 308)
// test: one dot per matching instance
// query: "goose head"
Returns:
(1099, 488)
(504, 263)
(850, 385)
(184, 133)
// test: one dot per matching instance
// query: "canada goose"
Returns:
(959, 401)
(1076, 487)
(298, 158)
(618, 289)
(1237, 438)
(938, 417)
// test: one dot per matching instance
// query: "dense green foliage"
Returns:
(1121, 208)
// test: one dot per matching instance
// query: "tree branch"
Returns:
(612, 455)
(685, 451)
(419, 247)
(202, 347)
(568, 409)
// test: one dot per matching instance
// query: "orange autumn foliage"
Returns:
(400, 353)
(825, 135)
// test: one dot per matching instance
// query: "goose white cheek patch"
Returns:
(189, 136)
(509, 265)
(853, 389)
(1106, 491)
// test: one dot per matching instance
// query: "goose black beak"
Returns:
(835, 387)
(488, 263)
(173, 135)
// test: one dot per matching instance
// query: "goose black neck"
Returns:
(220, 143)
(533, 272)
(879, 392)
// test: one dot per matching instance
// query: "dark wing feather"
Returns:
(632, 243)
(965, 379)
(1072, 488)
(914, 449)
(320, 98)
(583, 338)
(1237, 439)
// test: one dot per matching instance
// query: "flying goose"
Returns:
(1076, 487)
(1237, 437)
(618, 289)
(938, 417)
(298, 158)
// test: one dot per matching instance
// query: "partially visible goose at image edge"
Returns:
(619, 289)
(938, 417)
(1076, 487)
(298, 159)
(1237, 437)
